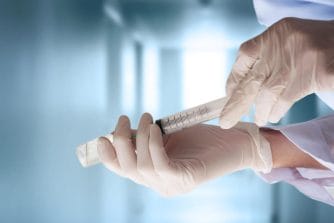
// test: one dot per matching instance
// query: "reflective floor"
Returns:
(69, 68)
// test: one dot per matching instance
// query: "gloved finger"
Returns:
(108, 155)
(124, 148)
(240, 68)
(144, 161)
(242, 98)
(279, 109)
(158, 153)
(287, 98)
(247, 56)
(265, 100)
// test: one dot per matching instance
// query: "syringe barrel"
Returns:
(88, 155)
(191, 116)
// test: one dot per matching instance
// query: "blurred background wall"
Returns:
(69, 68)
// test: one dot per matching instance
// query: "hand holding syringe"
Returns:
(177, 162)
(88, 155)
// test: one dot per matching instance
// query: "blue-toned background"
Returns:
(69, 68)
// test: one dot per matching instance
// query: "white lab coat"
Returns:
(315, 137)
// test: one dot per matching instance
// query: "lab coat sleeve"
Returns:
(271, 11)
(316, 138)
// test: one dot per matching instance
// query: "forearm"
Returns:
(286, 154)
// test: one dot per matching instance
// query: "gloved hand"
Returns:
(291, 59)
(176, 163)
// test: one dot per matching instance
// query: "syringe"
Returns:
(87, 153)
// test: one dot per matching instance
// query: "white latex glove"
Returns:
(174, 164)
(291, 59)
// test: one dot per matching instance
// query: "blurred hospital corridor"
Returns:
(70, 68)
